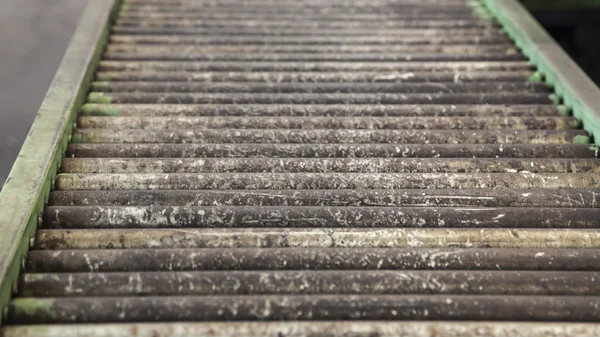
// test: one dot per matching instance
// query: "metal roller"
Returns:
(581, 198)
(386, 67)
(141, 150)
(394, 123)
(105, 238)
(320, 136)
(308, 282)
(303, 307)
(268, 110)
(498, 254)
(178, 87)
(319, 77)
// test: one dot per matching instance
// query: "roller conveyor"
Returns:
(422, 168)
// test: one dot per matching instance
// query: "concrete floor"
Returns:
(34, 35)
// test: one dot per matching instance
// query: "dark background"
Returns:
(35, 33)
(578, 32)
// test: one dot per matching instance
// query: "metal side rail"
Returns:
(420, 168)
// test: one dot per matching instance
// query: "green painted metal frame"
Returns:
(28, 186)
(576, 90)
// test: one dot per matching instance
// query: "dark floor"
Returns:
(33, 37)
(577, 32)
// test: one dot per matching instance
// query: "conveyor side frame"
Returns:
(577, 91)
(28, 186)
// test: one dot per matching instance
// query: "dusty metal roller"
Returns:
(309, 77)
(403, 257)
(331, 165)
(328, 136)
(363, 110)
(311, 98)
(334, 123)
(308, 40)
(169, 150)
(353, 47)
(249, 181)
(464, 197)
(311, 282)
(303, 307)
(128, 238)
(238, 169)
(404, 31)
(389, 67)
(318, 88)
(331, 25)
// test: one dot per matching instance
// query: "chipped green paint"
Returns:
(92, 109)
(28, 186)
(536, 77)
(78, 138)
(564, 111)
(101, 84)
(99, 97)
(124, 7)
(556, 99)
(576, 124)
(482, 13)
(575, 89)
(34, 307)
(581, 139)
(479, 9)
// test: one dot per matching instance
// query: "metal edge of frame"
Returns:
(577, 91)
(313, 329)
(28, 185)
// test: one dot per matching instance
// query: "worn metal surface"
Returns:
(318, 237)
(310, 283)
(309, 98)
(330, 165)
(291, 181)
(315, 329)
(286, 150)
(299, 160)
(488, 249)
(317, 66)
(419, 123)
(319, 77)
(320, 216)
(338, 197)
(133, 50)
(363, 110)
(317, 136)
(303, 307)
(317, 88)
